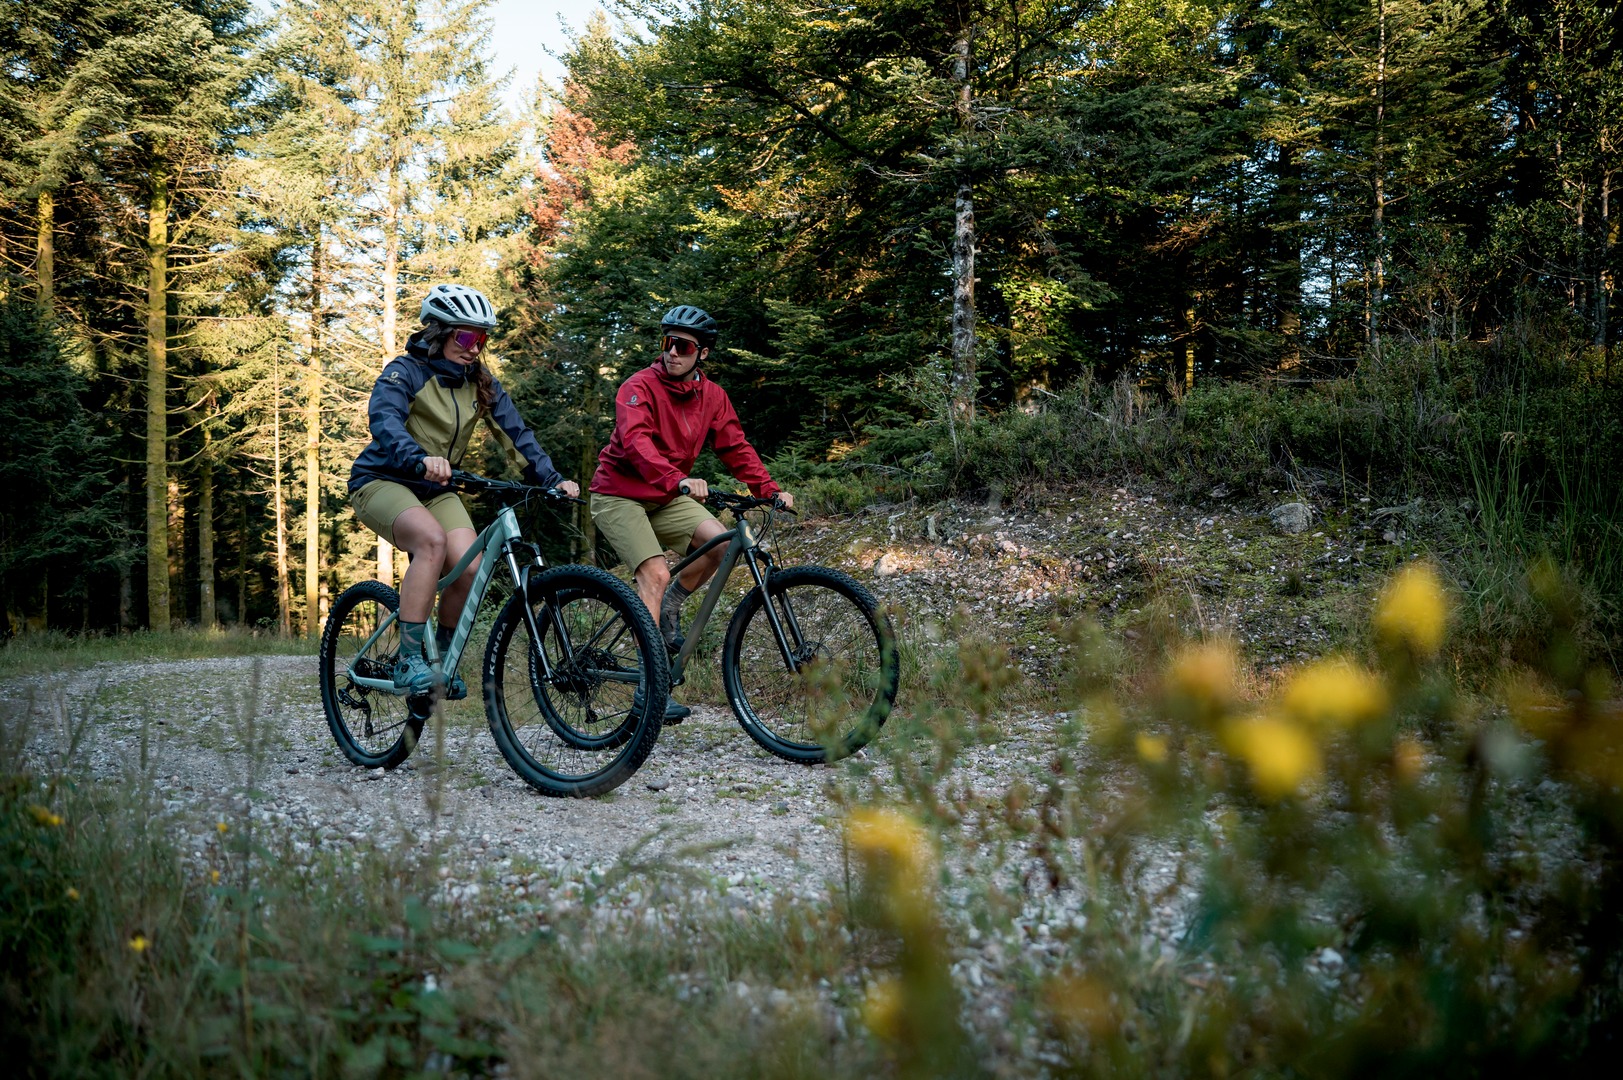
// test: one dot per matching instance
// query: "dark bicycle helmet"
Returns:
(459, 305)
(691, 320)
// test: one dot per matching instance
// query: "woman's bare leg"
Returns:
(420, 536)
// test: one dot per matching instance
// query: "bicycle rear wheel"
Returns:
(372, 727)
(837, 686)
(587, 727)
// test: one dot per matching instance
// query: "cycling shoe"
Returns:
(412, 675)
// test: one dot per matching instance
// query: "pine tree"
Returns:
(62, 535)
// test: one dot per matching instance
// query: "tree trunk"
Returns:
(1603, 278)
(963, 247)
(312, 451)
(284, 591)
(1185, 378)
(391, 277)
(1378, 222)
(588, 460)
(242, 559)
(157, 478)
(391, 265)
(45, 254)
(133, 487)
(1289, 246)
(177, 541)
(207, 615)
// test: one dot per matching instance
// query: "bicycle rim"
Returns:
(372, 728)
(845, 671)
(580, 731)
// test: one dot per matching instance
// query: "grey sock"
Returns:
(670, 610)
(411, 637)
(442, 637)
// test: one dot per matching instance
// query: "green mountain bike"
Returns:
(575, 672)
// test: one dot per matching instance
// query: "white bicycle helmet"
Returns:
(458, 305)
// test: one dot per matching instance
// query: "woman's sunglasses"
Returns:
(469, 339)
(681, 346)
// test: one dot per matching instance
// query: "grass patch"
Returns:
(42, 651)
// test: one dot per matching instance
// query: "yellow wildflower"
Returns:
(1082, 1005)
(72, 893)
(1334, 693)
(882, 1009)
(1408, 760)
(222, 827)
(880, 834)
(896, 852)
(138, 944)
(1203, 676)
(1413, 611)
(1283, 758)
(43, 816)
(214, 877)
(1152, 748)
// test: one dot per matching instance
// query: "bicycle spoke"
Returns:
(572, 723)
(372, 727)
(843, 673)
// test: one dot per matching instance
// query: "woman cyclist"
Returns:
(422, 415)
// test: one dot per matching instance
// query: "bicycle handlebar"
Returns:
(472, 482)
(726, 500)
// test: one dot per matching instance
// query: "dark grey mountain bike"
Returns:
(810, 662)
(575, 672)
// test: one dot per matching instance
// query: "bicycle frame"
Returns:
(741, 542)
(503, 535)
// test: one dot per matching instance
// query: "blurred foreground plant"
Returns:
(915, 1010)
(1387, 874)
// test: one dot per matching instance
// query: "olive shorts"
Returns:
(641, 530)
(379, 502)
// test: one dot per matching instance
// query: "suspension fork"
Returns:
(787, 646)
(521, 581)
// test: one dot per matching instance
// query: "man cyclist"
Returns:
(422, 414)
(664, 415)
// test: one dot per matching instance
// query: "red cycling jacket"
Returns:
(660, 426)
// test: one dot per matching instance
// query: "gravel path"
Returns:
(212, 730)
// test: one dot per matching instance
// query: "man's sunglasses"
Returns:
(681, 346)
(469, 339)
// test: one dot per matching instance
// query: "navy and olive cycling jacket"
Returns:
(423, 408)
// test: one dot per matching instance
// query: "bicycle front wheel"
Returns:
(589, 725)
(823, 690)
(372, 727)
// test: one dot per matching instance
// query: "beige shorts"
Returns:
(641, 530)
(379, 502)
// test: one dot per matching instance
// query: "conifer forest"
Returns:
(920, 223)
